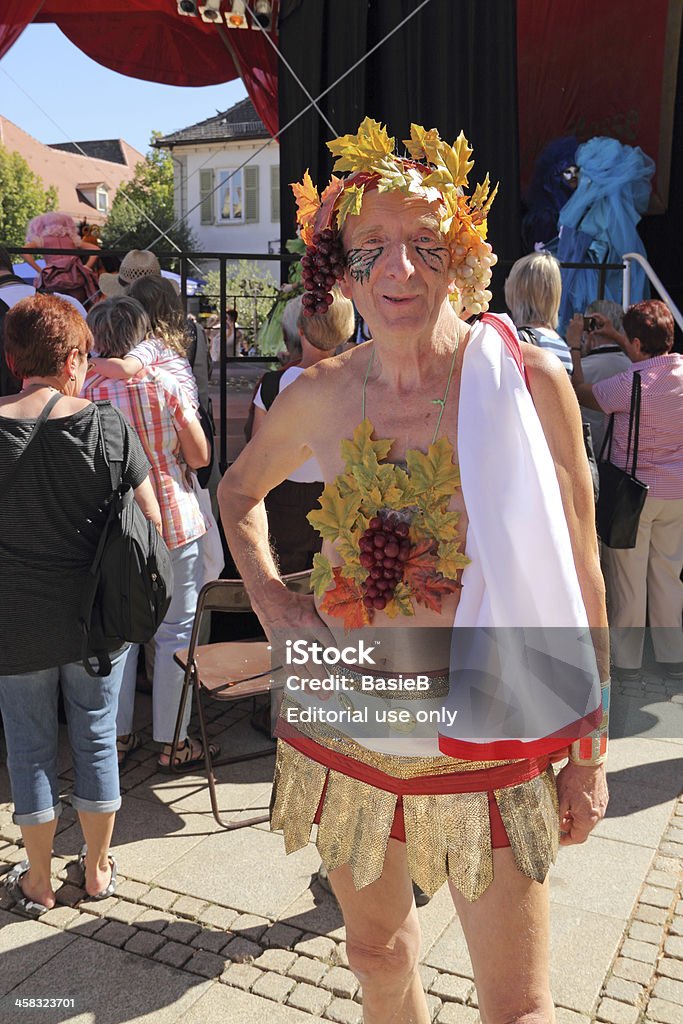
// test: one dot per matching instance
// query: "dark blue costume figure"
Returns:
(553, 181)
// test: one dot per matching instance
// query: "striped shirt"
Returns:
(159, 408)
(660, 444)
(551, 342)
(153, 352)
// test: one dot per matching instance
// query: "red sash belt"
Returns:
(478, 781)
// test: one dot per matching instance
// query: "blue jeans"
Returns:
(28, 703)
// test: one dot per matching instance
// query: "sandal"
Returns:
(184, 761)
(28, 907)
(126, 745)
(110, 889)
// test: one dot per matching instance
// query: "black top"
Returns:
(51, 517)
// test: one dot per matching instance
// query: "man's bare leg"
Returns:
(383, 941)
(507, 931)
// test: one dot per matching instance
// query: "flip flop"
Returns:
(111, 887)
(188, 763)
(27, 907)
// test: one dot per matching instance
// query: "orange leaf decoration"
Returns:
(345, 600)
(307, 199)
(428, 587)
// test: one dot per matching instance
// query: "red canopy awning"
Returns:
(148, 39)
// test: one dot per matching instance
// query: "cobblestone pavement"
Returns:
(290, 965)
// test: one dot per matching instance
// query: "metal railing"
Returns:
(184, 261)
(629, 258)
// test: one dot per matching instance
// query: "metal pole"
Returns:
(626, 287)
(183, 281)
(223, 405)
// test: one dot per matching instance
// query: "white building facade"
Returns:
(227, 182)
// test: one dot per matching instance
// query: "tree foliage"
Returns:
(22, 197)
(150, 192)
(250, 289)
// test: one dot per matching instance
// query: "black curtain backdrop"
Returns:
(453, 66)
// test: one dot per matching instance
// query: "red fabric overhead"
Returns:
(589, 68)
(17, 14)
(148, 39)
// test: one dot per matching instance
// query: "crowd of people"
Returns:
(334, 471)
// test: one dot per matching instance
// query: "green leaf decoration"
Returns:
(350, 203)
(400, 603)
(433, 474)
(321, 575)
(439, 523)
(337, 514)
(451, 560)
(357, 451)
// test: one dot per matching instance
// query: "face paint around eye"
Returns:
(436, 259)
(361, 261)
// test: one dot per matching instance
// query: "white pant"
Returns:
(172, 635)
(645, 580)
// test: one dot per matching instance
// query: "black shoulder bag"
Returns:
(622, 495)
(130, 583)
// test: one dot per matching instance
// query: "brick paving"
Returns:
(306, 971)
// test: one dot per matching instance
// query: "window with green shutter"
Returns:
(251, 186)
(206, 196)
(275, 192)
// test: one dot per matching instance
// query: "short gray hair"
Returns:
(118, 325)
(290, 324)
(609, 309)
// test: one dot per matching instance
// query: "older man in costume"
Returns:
(457, 495)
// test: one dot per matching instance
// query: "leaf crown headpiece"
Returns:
(434, 171)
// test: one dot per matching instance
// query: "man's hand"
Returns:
(291, 616)
(575, 338)
(583, 797)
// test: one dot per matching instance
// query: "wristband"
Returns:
(591, 750)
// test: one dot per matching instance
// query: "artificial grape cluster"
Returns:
(322, 265)
(384, 550)
(473, 259)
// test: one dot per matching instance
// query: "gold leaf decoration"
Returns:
(361, 152)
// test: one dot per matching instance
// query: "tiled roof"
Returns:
(100, 149)
(68, 171)
(239, 122)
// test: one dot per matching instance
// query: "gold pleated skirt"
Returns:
(448, 835)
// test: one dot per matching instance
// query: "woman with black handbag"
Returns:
(55, 482)
(643, 563)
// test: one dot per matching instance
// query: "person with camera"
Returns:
(599, 338)
(643, 583)
(55, 483)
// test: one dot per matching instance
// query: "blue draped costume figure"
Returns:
(598, 223)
